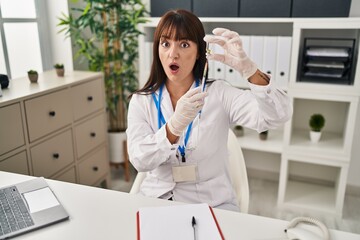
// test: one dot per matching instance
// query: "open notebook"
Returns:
(27, 206)
(175, 222)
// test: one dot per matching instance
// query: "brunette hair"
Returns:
(177, 24)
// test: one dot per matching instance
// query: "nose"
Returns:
(174, 53)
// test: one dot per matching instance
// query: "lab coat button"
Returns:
(268, 91)
(172, 148)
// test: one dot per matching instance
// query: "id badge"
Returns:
(186, 173)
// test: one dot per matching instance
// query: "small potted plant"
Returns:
(60, 70)
(316, 123)
(263, 135)
(238, 130)
(33, 76)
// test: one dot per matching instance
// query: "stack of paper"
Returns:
(175, 222)
(327, 52)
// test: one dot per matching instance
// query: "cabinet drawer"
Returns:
(15, 164)
(48, 113)
(52, 155)
(87, 98)
(90, 134)
(94, 167)
(68, 176)
(11, 128)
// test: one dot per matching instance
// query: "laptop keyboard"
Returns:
(13, 213)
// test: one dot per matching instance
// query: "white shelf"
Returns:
(310, 196)
(329, 144)
(273, 143)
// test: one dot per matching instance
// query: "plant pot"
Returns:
(60, 72)
(263, 135)
(239, 132)
(33, 77)
(315, 136)
(116, 149)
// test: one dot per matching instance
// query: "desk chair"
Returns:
(237, 170)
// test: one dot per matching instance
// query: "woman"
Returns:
(178, 133)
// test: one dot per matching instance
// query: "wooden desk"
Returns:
(97, 213)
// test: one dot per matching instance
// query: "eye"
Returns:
(165, 44)
(184, 44)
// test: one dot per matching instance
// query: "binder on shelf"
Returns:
(270, 51)
(175, 222)
(211, 66)
(219, 67)
(246, 44)
(257, 50)
(283, 56)
(211, 69)
(233, 77)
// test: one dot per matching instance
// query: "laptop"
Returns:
(27, 206)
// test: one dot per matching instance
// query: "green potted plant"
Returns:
(238, 130)
(263, 135)
(105, 33)
(316, 123)
(60, 70)
(33, 76)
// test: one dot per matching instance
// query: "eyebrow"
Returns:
(168, 37)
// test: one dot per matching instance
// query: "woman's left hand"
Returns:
(234, 55)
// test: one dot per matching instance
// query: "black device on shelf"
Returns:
(4, 81)
(328, 60)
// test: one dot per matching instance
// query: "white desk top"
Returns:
(115, 216)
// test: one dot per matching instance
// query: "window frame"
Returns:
(43, 32)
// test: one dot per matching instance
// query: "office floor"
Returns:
(263, 195)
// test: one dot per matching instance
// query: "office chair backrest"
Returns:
(135, 188)
(237, 170)
(238, 173)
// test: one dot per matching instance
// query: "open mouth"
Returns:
(174, 67)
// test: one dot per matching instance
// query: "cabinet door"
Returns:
(265, 8)
(68, 176)
(52, 155)
(11, 128)
(15, 164)
(216, 8)
(90, 134)
(48, 113)
(93, 168)
(159, 7)
(87, 98)
(321, 8)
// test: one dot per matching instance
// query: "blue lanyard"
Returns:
(161, 120)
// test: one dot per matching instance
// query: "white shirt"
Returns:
(261, 108)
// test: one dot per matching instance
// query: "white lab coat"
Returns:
(262, 108)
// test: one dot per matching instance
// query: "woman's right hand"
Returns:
(187, 107)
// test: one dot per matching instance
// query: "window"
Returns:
(23, 44)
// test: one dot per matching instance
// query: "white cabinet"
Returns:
(11, 128)
(56, 128)
(311, 176)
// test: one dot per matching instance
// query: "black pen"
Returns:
(193, 223)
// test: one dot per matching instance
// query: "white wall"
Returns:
(61, 46)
